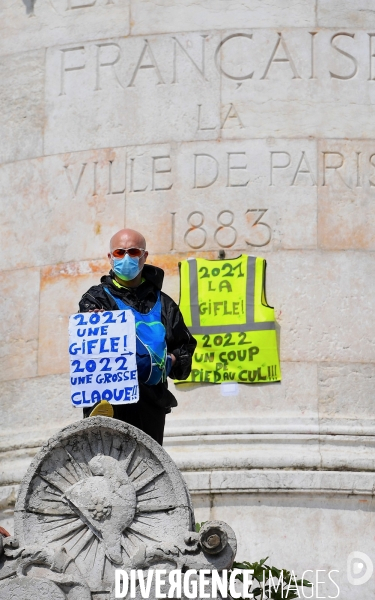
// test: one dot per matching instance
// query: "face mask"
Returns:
(126, 268)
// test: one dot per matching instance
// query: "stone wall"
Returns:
(244, 126)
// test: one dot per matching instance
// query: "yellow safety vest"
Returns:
(224, 306)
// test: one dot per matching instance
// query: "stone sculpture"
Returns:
(102, 495)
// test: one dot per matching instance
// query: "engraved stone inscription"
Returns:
(241, 195)
(292, 56)
(231, 202)
(249, 194)
(61, 23)
(133, 90)
(66, 6)
(225, 235)
(198, 86)
(272, 76)
(72, 4)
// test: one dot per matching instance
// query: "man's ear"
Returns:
(143, 259)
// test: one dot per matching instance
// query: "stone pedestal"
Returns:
(100, 496)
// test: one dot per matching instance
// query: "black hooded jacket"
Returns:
(178, 338)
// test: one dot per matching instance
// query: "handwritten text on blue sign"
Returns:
(103, 358)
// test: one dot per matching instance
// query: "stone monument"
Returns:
(245, 126)
(102, 495)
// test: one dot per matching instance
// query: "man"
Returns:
(133, 284)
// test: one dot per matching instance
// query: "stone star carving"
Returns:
(100, 499)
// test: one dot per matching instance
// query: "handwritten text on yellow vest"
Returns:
(224, 306)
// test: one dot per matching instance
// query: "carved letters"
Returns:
(276, 58)
(204, 196)
(74, 5)
(341, 51)
(282, 160)
(354, 70)
(197, 236)
(78, 63)
(113, 57)
(156, 171)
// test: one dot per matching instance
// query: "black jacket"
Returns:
(179, 340)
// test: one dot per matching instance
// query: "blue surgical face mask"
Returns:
(126, 268)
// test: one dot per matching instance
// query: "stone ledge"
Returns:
(306, 426)
(247, 452)
(296, 482)
(257, 481)
(244, 454)
(273, 451)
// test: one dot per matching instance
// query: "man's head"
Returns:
(126, 263)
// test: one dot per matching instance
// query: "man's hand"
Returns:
(173, 359)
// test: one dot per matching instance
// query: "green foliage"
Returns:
(265, 587)
(269, 583)
(199, 525)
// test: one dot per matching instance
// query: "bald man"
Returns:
(133, 284)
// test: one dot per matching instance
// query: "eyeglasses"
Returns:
(133, 252)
